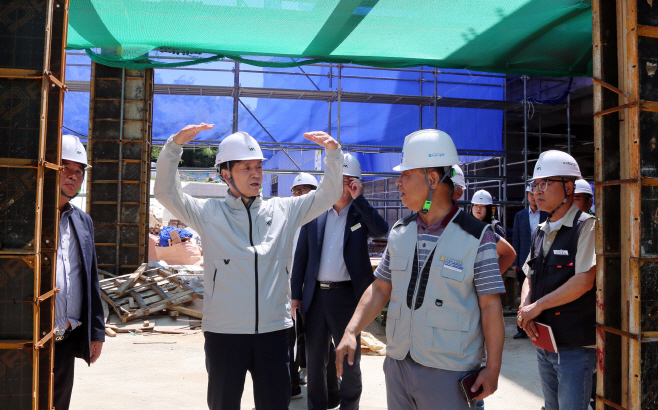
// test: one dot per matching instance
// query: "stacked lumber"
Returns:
(144, 292)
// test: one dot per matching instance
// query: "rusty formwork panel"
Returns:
(32, 61)
(626, 129)
(120, 149)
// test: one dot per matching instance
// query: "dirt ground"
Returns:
(167, 372)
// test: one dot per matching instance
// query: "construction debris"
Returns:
(371, 345)
(144, 292)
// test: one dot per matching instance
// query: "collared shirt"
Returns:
(586, 254)
(332, 263)
(486, 273)
(68, 302)
(533, 218)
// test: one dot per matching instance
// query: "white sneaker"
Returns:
(302, 376)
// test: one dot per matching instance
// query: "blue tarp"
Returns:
(165, 234)
(287, 120)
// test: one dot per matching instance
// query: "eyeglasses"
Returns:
(300, 190)
(542, 185)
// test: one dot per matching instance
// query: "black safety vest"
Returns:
(574, 323)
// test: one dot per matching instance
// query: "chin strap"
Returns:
(428, 203)
(564, 201)
(61, 191)
(250, 199)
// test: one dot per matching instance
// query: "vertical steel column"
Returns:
(420, 107)
(340, 92)
(504, 173)
(331, 78)
(236, 95)
(31, 103)
(525, 127)
(540, 133)
(569, 123)
(436, 97)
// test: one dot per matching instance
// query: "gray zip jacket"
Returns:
(246, 252)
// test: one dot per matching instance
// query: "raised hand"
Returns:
(188, 133)
(355, 187)
(322, 138)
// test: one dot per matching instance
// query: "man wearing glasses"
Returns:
(560, 291)
(331, 270)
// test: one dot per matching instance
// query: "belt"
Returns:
(64, 336)
(333, 285)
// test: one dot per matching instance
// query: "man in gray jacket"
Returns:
(247, 249)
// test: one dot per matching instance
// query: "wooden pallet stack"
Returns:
(147, 291)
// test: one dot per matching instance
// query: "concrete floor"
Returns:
(167, 372)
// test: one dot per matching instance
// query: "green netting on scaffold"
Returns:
(535, 37)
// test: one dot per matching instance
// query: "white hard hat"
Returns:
(528, 188)
(351, 166)
(304, 179)
(482, 197)
(428, 148)
(583, 187)
(458, 177)
(238, 147)
(73, 150)
(555, 163)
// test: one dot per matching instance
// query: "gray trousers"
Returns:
(412, 386)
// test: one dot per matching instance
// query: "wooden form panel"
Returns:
(32, 42)
(626, 130)
(119, 151)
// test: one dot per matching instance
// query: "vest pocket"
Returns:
(392, 317)
(454, 273)
(445, 330)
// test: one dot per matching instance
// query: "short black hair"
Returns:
(228, 165)
(489, 213)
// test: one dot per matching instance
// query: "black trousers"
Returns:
(294, 361)
(63, 373)
(326, 319)
(230, 356)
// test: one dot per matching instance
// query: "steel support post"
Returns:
(31, 106)
(569, 123)
(236, 95)
(340, 92)
(120, 117)
(525, 127)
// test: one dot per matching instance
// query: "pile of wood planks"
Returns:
(147, 291)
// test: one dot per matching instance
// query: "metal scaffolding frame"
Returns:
(518, 110)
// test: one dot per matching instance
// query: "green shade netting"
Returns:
(536, 37)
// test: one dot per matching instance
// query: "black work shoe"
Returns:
(520, 335)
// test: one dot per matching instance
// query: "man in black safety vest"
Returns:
(561, 267)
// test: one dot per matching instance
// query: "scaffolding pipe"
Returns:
(340, 91)
(268, 133)
(331, 78)
(436, 97)
(525, 128)
(569, 123)
(505, 156)
(236, 95)
(420, 107)
(540, 133)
